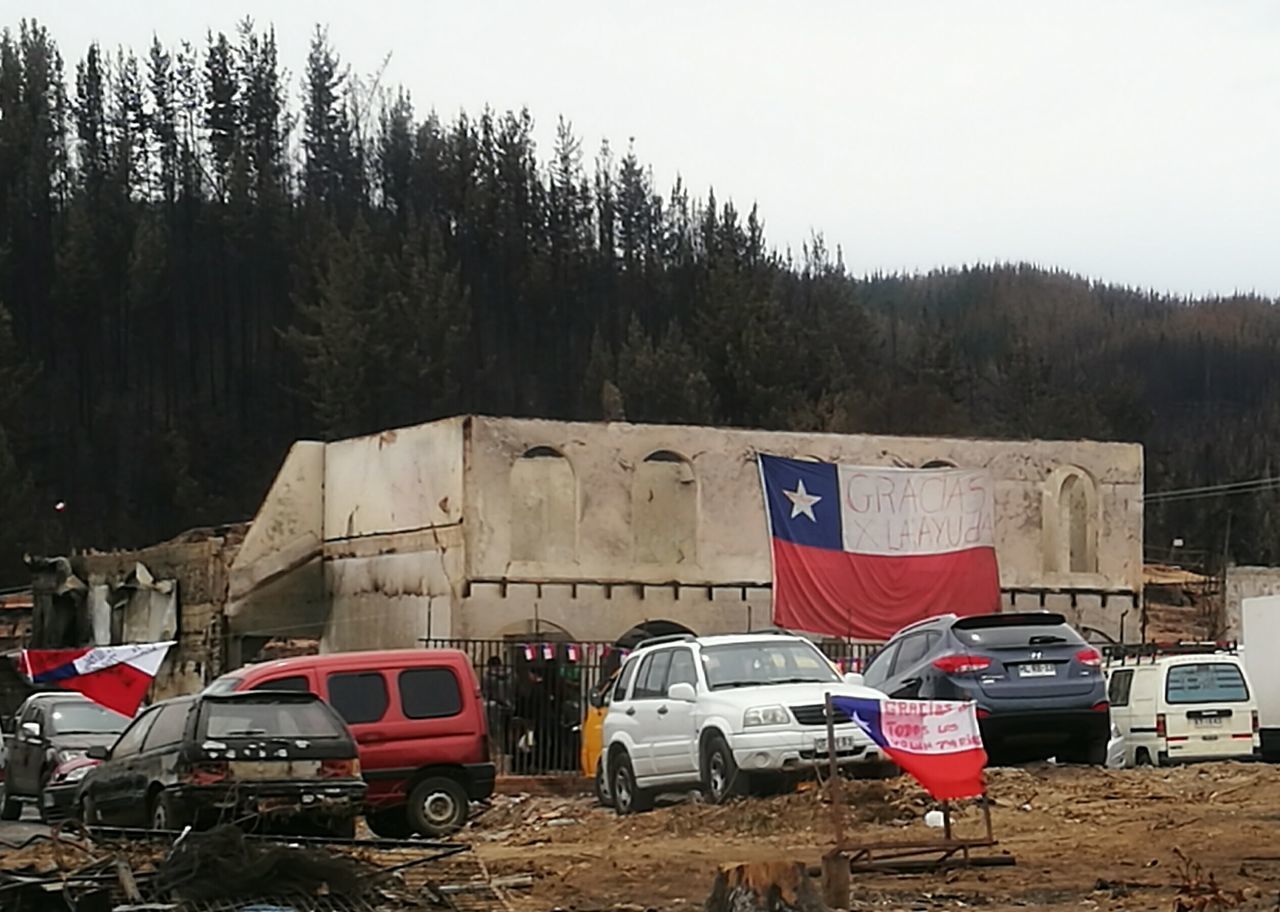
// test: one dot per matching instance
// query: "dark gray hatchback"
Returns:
(263, 759)
(1039, 687)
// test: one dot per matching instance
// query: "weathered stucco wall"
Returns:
(722, 501)
(393, 548)
(276, 584)
(1243, 583)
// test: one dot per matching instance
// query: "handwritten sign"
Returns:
(915, 511)
(929, 727)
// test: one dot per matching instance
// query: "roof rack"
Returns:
(667, 638)
(1121, 653)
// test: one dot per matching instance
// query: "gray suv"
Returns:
(1039, 687)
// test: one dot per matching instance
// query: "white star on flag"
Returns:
(802, 501)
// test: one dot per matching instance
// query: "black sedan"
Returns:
(1039, 687)
(261, 759)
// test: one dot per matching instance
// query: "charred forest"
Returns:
(204, 257)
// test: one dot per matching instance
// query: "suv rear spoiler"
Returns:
(1012, 619)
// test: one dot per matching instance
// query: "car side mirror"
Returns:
(682, 692)
(97, 752)
(31, 730)
(854, 679)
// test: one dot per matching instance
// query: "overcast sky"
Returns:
(1134, 142)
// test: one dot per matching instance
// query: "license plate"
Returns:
(275, 769)
(1037, 671)
(843, 743)
(1209, 721)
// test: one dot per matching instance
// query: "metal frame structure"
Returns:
(903, 856)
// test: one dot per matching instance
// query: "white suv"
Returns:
(720, 711)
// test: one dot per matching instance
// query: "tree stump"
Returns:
(764, 886)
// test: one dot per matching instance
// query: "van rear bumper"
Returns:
(480, 780)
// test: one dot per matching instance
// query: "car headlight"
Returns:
(75, 775)
(66, 756)
(765, 715)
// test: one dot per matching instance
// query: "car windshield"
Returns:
(85, 719)
(268, 719)
(224, 685)
(761, 663)
(1004, 637)
(1210, 682)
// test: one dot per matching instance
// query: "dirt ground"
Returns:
(1081, 837)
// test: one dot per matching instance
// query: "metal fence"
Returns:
(538, 693)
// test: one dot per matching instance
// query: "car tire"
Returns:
(438, 806)
(1091, 753)
(87, 811)
(161, 814)
(1142, 757)
(601, 787)
(721, 779)
(10, 809)
(628, 798)
(345, 828)
(392, 823)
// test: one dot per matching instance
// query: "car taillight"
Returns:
(961, 664)
(984, 714)
(1161, 730)
(208, 772)
(1090, 657)
(1102, 707)
(1254, 714)
(340, 769)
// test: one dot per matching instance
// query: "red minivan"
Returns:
(418, 718)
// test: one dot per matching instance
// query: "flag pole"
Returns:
(836, 872)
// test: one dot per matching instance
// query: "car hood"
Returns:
(793, 694)
(82, 742)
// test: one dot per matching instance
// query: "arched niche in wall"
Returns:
(544, 507)
(664, 510)
(1071, 518)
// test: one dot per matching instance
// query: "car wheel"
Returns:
(389, 824)
(344, 828)
(87, 811)
(1092, 753)
(721, 779)
(603, 798)
(10, 809)
(1142, 758)
(628, 798)
(438, 806)
(161, 815)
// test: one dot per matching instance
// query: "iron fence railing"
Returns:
(538, 692)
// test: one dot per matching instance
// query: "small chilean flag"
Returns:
(116, 677)
(863, 552)
(937, 742)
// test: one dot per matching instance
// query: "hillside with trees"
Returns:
(203, 258)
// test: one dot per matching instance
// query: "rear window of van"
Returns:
(1208, 682)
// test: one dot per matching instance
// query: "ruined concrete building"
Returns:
(493, 527)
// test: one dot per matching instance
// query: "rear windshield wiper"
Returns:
(246, 733)
(1041, 639)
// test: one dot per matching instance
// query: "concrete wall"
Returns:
(1069, 516)
(1243, 583)
(393, 545)
(276, 584)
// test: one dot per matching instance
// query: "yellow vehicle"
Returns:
(593, 737)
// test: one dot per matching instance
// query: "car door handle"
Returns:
(662, 710)
(631, 711)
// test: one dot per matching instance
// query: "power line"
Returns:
(1256, 485)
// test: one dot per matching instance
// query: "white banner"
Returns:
(900, 512)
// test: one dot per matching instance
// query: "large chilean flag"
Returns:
(862, 552)
(117, 677)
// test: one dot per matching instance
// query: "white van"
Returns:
(1179, 708)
